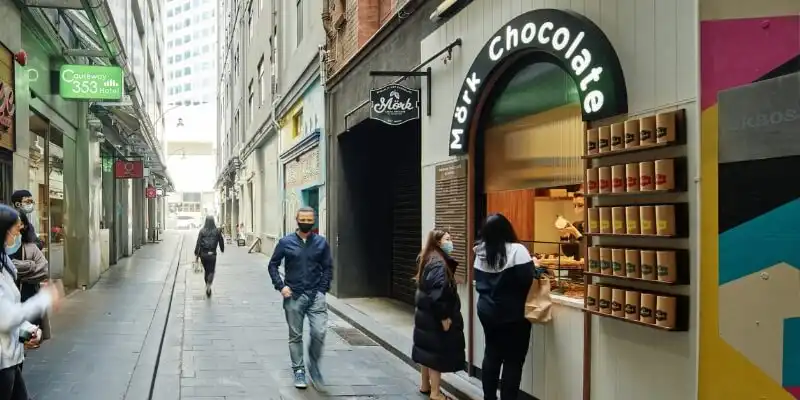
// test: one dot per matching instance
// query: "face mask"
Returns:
(447, 247)
(15, 247)
(27, 208)
(305, 227)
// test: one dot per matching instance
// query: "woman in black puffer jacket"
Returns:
(438, 326)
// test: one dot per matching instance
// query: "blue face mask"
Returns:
(447, 247)
(15, 247)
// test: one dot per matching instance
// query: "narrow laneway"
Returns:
(103, 335)
(112, 340)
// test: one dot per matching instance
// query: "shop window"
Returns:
(297, 124)
(532, 149)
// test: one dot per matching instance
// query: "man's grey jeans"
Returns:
(296, 310)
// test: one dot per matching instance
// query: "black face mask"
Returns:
(304, 227)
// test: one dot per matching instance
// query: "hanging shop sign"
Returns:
(128, 169)
(566, 38)
(90, 82)
(7, 99)
(394, 104)
(150, 192)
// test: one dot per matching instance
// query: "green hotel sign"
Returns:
(90, 82)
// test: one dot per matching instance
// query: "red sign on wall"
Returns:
(150, 192)
(128, 169)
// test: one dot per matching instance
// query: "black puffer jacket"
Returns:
(207, 242)
(436, 300)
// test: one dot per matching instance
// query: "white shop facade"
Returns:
(507, 134)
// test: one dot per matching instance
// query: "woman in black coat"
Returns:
(438, 326)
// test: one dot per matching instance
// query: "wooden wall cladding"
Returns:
(451, 210)
(518, 206)
(637, 206)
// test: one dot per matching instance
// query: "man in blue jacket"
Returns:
(308, 271)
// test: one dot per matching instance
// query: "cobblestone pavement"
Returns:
(234, 345)
(112, 340)
(102, 334)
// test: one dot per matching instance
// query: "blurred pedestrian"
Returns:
(32, 272)
(504, 273)
(205, 250)
(23, 202)
(438, 324)
(308, 271)
(14, 314)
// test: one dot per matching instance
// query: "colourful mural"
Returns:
(750, 207)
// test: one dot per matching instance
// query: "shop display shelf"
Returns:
(632, 235)
(677, 328)
(630, 150)
(631, 194)
(628, 278)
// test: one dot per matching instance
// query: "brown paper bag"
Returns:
(538, 304)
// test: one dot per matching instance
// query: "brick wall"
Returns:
(362, 18)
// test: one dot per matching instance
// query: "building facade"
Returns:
(64, 151)
(377, 245)
(518, 91)
(271, 118)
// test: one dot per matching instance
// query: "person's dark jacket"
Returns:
(207, 242)
(308, 265)
(503, 289)
(437, 300)
(28, 233)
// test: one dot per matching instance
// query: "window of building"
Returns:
(169, 13)
(169, 44)
(250, 103)
(299, 21)
(178, 42)
(169, 60)
(187, 6)
(187, 22)
(187, 71)
(177, 10)
(206, 48)
(178, 89)
(297, 124)
(187, 86)
(178, 73)
(262, 84)
(169, 29)
(187, 38)
(171, 90)
(187, 54)
(178, 58)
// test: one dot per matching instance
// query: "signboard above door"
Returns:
(394, 104)
(128, 169)
(90, 82)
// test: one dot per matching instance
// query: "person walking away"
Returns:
(308, 271)
(24, 204)
(438, 326)
(14, 314)
(504, 272)
(32, 272)
(205, 250)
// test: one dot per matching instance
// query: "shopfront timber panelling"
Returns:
(750, 317)
(451, 195)
(656, 43)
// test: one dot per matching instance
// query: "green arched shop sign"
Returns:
(572, 41)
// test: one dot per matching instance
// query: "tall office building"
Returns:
(190, 32)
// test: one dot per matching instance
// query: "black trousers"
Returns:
(26, 291)
(506, 346)
(12, 386)
(209, 266)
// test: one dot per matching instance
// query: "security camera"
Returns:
(118, 146)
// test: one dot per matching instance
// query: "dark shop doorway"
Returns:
(379, 210)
